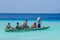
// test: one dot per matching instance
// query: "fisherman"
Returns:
(17, 26)
(39, 22)
(24, 25)
(9, 26)
(34, 25)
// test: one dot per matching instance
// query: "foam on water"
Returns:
(50, 34)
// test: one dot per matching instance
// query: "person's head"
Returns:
(8, 23)
(17, 23)
(34, 23)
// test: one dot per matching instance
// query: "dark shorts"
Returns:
(39, 25)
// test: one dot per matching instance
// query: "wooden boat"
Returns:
(29, 29)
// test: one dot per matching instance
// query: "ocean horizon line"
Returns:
(29, 13)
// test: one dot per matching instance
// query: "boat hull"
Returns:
(31, 29)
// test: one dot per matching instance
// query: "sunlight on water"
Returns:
(49, 34)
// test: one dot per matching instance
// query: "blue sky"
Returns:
(29, 6)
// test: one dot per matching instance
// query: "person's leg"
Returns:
(39, 25)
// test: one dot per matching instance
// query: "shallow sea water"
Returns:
(53, 33)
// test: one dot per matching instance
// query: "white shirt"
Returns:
(38, 18)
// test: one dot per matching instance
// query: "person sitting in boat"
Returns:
(24, 25)
(17, 26)
(34, 25)
(9, 26)
(39, 22)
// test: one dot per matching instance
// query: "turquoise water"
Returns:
(49, 34)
